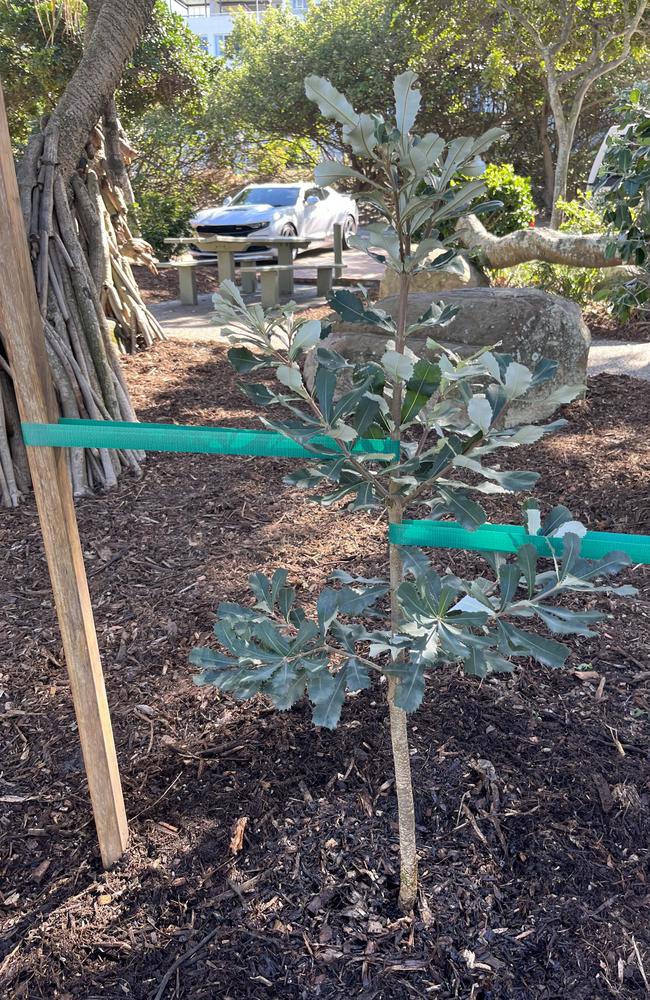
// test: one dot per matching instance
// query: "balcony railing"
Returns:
(190, 9)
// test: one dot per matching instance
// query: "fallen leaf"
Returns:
(39, 871)
(237, 838)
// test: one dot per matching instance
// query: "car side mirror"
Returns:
(227, 201)
(311, 200)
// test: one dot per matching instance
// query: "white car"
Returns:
(301, 209)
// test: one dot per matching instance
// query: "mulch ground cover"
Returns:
(263, 859)
(603, 325)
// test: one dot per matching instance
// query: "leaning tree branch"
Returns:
(519, 247)
(118, 26)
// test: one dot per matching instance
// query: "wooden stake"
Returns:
(22, 330)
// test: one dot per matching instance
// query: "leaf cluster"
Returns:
(443, 417)
(275, 648)
(624, 189)
(452, 407)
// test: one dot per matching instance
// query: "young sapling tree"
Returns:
(404, 433)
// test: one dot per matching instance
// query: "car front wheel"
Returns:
(288, 230)
(349, 229)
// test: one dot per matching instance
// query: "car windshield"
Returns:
(279, 197)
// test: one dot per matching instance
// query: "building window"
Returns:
(299, 7)
(205, 44)
(219, 44)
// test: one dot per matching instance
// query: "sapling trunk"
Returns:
(401, 756)
(397, 716)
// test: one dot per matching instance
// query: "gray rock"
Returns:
(468, 276)
(528, 323)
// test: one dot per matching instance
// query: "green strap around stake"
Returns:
(231, 441)
(509, 537)
(70, 433)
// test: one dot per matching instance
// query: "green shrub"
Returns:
(516, 193)
(624, 186)
(500, 183)
(161, 215)
(440, 419)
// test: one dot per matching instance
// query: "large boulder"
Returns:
(464, 275)
(526, 322)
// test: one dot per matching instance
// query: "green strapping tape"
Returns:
(232, 441)
(509, 537)
(178, 437)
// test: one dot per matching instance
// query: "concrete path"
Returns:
(194, 323)
(619, 358)
(358, 266)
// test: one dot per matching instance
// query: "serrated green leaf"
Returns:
(469, 513)
(407, 101)
(327, 607)
(527, 560)
(243, 360)
(521, 643)
(331, 102)
(286, 687)
(409, 691)
(356, 675)
(509, 575)
(328, 712)
(560, 621)
(320, 684)
(556, 517)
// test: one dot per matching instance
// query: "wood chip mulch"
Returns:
(603, 325)
(263, 856)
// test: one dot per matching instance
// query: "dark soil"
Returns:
(604, 326)
(533, 791)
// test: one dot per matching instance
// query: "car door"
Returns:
(314, 216)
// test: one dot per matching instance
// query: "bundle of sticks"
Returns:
(83, 240)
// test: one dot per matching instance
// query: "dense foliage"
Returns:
(624, 188)
(261, 91)
(515, 207)
(536, 62)
(38, 56)
(406, 432)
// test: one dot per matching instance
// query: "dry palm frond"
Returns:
(55, 13)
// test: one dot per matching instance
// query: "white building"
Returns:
(212, 21)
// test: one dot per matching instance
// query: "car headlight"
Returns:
(258, 225)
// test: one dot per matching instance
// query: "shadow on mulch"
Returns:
(533, 792)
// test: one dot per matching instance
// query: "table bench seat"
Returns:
(186, 277)
(270, 279)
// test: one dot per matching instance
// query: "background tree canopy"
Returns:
(204, 126)
(38, 57)
(476, 70)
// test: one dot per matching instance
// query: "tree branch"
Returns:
(117, 28)
(533, 244)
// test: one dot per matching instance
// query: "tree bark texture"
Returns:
(567, 86)
(75, 210)
(575, 250)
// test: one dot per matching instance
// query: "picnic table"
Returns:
(225, 247)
